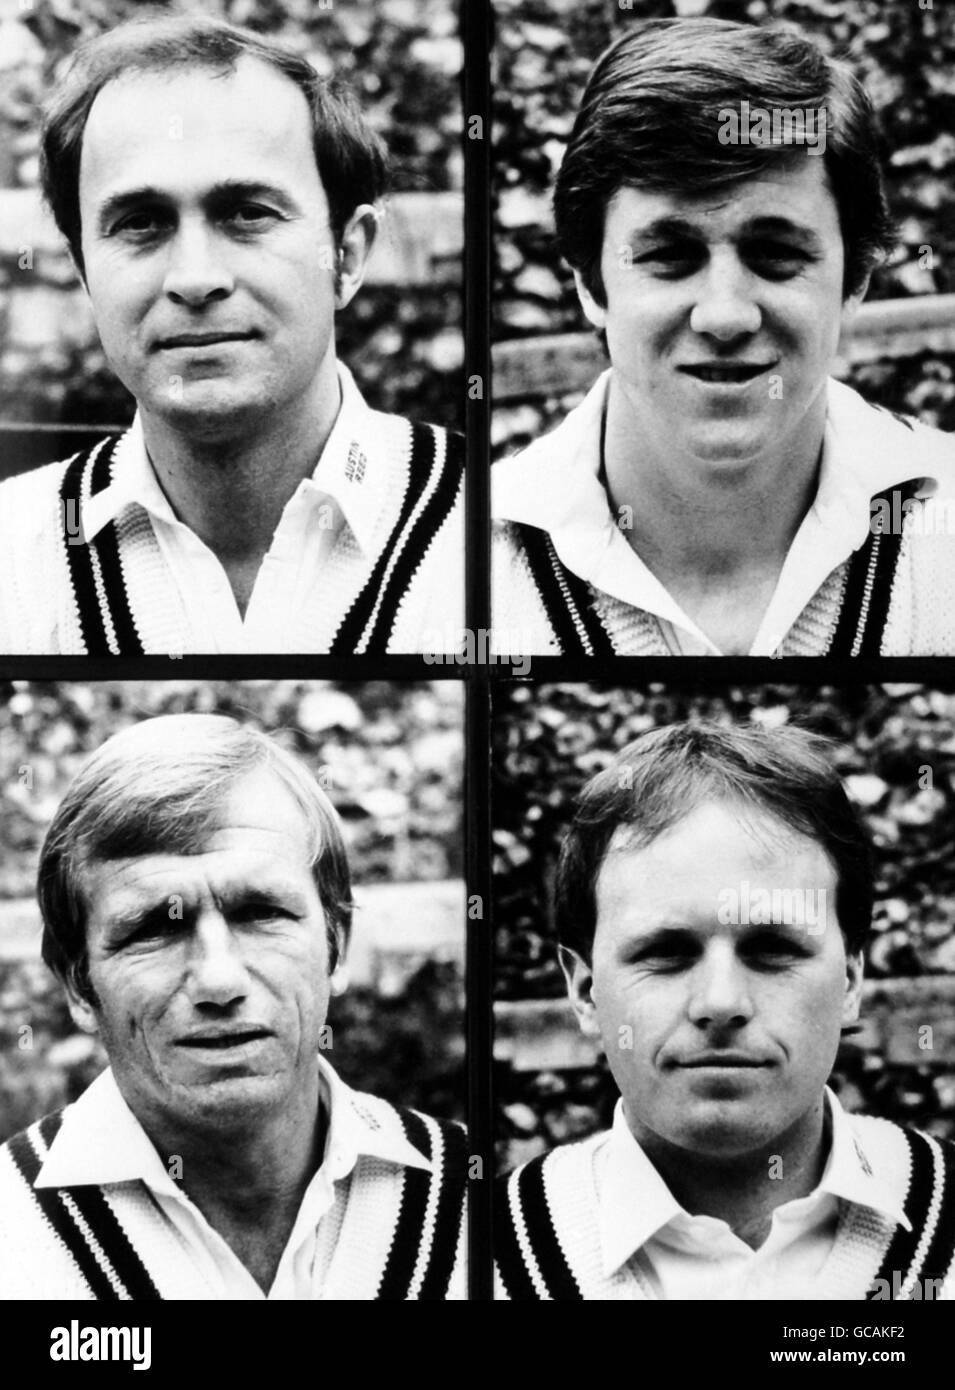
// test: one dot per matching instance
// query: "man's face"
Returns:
(720, 1031)
(724, 312)
(209, 257)
(211, 970)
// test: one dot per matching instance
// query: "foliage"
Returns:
(389, 756)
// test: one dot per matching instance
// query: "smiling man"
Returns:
(220, 202)
(721, 203)
(196, 906)
(713, 900)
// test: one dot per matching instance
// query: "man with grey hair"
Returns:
(196, 905)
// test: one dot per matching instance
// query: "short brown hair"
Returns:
(665, 774)
(349, 156)
(649, 118)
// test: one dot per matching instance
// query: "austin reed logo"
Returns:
(746, 906)
(754, 125)
(75, 1343)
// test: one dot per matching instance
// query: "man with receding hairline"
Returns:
(713, 900)
(722, 206)
(220, 201)
(196, 905)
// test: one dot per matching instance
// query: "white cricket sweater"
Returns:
(863, 577)
(368, 557)
(394, 1229)
(547, 1219)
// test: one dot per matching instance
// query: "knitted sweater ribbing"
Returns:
(547, 1239)
(62, 594)
(920, 619)
(870, 572)
(400, 1232)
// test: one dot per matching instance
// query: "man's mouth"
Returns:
(195, 340)
(223, 1039)
(727, 373)
(722, 1059)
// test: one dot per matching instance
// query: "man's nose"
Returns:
(197, 270)
(216, 971)
(720, 989)
(726, 307)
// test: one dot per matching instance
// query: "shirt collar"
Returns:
(346, 472)
(555, 485)
(100, 1140)
(636, 1204)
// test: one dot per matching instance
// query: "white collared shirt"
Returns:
(368, 554)
(338, 493)
(101, 1142)
(555, 485)
(700, 1257)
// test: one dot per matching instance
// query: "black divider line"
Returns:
(476, 30)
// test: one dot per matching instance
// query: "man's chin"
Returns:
(724, 1129)
(232, 1103)
(728, 450)
(208, 411)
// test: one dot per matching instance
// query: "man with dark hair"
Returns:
(220, 201)
(713, 900)
(196, 906)
(721, 204)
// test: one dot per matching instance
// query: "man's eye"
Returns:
(139, 225)
(778, 257)
(246, 913)
(673, 956)
(251, 215)
(774, 948)
(676, 259)
(151, 932)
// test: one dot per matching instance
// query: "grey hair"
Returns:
(157, 786)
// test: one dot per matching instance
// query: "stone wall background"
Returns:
(903, 50)
(402, 57)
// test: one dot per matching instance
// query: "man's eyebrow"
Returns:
(661, 934)
(132, 916)
(269, 894)
(676, 227)
(662, 227)
(784, 226)
(219, 196)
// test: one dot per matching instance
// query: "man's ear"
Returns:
(580, 986)
(81, 1010)
(850, 307)
(338, 980)
(354, 248)
(595, 313)
(853, 994)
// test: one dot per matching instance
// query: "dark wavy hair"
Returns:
(650, 118)
(157, 787)
(787, 773)
(349, 155)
